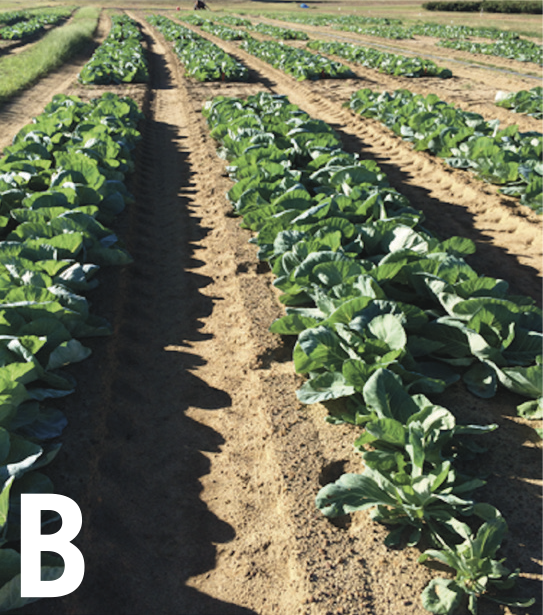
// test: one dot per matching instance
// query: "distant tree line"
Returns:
(487, 6)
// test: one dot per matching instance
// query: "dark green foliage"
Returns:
(487, 6)
(466, 140)
(25, 24)
(463, 6)
(120, 58)
(389, 63)
(60, 181)
(384, 313)
(283, 34)
(202, 59)
(298, 63)
(507, 46)
(529, 102)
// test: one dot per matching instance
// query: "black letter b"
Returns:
(33, 543)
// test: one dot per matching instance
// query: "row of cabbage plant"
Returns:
(334, 21)
(33, 23)
(381, 310)
(202, 59)
(224, 32)
(527, 102)
(505, 44)
(423, 271)
(11, 17)
(279, 33)
(519, 49)
(194, 19)
(465, 140)
(353, 23)
(383, 61)
(61, 182)
(298, 63)
(232, 20)
(120, 58)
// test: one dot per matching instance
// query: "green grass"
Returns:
(20, 71)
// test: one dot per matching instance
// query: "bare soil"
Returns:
(193, 462)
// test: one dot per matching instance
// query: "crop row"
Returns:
(219, 30)
(398, 255)
(507, 45)
(384, 314)
(61, 181)
(202, 59)
(194, 20)
(528, 102)
(385, 62)
(465, 139)
(518, 49)
(334, 20)
(120, 58)
(388, 63)
(11, 17)
(232, 20)
(283, 34)
(459, 31)
(394, 32)
(34, 24)
(298, 63)
(224, 32)
(420, 29)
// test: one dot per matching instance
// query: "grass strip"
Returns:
(19, 71)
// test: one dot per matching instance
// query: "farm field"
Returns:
(194, 463)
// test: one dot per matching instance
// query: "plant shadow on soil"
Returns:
(131, 458)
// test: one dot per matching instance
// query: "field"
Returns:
(193, 462)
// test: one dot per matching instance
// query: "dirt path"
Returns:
(191, 459)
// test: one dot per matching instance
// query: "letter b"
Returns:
(33, 542)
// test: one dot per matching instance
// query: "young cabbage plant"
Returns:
(395, 415)
(405, 500)
(411, 496)
(478, 574)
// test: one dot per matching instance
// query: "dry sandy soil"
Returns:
(193, 462)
